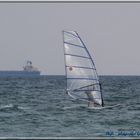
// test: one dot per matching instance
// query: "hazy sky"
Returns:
(32, 31)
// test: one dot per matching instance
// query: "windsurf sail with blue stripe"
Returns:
(82, 81)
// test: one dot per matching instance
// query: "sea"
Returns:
(40, 108)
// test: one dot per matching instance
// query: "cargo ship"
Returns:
(28, 71)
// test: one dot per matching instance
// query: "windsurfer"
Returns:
(82, 82)
(66, 92)
(90, 99)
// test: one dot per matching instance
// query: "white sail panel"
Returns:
(81, 74)
(73, 60)
(71, 38)
(71, 49)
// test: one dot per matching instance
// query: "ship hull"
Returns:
(19, 73)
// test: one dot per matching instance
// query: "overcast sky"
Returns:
(32, 31)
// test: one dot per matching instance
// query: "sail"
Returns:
(81, 75)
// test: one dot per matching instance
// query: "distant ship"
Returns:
(28, 71)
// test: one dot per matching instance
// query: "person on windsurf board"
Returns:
(82, 81)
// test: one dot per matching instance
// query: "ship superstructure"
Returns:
(28, 71)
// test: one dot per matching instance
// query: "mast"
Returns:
(64, 61)
(101, 94)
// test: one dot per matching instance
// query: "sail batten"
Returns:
(82, 78)
(73, 44)
(81, 67)
(77, 56)
(81, 74)
(70, 33)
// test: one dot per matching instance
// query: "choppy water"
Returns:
(37, 107)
